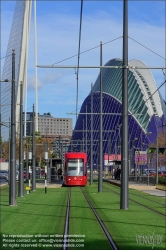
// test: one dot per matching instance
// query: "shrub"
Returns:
(162, 180)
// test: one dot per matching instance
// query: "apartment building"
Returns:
(50, 126)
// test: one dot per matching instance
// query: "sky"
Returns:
(58, 25)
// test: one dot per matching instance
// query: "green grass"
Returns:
(35, 213)
(126, 226)
(39, 213)
(147, 202)
(141, 193)
(83, 222)
(161, 187)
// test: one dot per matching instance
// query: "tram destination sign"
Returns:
(140, 157)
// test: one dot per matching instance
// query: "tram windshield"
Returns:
(75, 167)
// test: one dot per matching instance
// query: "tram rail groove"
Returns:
(139, 195)
(113, 245)
(138, 203)
(66, 231)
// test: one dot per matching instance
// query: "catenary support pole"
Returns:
(29, 161)
(12, 187)
(83, 150)
(100, 183)
(157, 151)
(124, 170)
(33, 154)
(46, 162)
(59, 146)
(86, 128)
(27, 168)
(35, 55)
(21, 172)
(91, 143)
(9, 152)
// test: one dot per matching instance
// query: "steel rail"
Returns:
(114, 247)
(142, 197)
(67, 222)
(139, 203)
(148, 199)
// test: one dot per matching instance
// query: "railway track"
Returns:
(109, 238)
(67, 222)
(162, 204)
(66, 230)
(157, 212)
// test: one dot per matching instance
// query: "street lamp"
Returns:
(157, 150)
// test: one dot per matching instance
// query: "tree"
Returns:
(161, 139)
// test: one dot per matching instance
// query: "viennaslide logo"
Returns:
(149, 239)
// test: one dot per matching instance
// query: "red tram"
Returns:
(75, 173)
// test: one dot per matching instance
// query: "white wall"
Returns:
(4, 165)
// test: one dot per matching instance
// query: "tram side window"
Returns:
(75, 167)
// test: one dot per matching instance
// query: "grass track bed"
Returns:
(155, 206)
(35, 213)
(141, 193)
(125, 226)
(83, 222)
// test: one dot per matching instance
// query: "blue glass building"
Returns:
(146, 110)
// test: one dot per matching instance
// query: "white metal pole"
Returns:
(25, 83)
(28, 21)
(35, 57)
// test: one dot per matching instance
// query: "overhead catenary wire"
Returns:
(79, 44)
(135, 109)
(95, 47)
(147, 48)
(5, 56)
(87, 50)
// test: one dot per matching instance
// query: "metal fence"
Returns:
(143, 179)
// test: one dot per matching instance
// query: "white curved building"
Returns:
(18, 41)
(146, 109)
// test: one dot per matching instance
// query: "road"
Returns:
(2, 182)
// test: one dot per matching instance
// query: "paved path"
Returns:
(3, 182)
(41, 185)
(50, 185)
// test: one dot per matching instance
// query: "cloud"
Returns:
(32, 84)
(53, 77)
(57, 39)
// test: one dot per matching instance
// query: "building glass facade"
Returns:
(145, 110)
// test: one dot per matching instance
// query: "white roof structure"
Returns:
(148, 88)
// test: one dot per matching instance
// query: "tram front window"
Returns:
(75, 167)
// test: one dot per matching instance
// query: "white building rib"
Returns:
(154, 100)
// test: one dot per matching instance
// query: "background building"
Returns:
(146, 110)
(50, 126)
(29, 120)
(18, 40)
